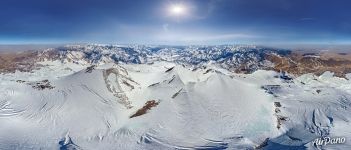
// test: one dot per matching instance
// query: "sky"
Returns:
(172, 22)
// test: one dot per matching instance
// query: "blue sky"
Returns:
(153, 21)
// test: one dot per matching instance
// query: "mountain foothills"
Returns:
(173, 97)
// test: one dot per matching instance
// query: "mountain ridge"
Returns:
(238, 59)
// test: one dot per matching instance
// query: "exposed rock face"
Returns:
(302, 63)
(90, 69)
(148, 105)
(42, 85)
(22, 61)
(176, 94)
(118, 82)
(39, 85)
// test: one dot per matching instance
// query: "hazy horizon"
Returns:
(311, 47)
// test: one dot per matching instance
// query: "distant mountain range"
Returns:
(239, 59)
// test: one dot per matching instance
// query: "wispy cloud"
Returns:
(214, 37)
(307, 19)
(165, 27)
(204, 37)
(211, 7)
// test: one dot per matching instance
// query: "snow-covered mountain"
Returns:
(235, 58)
(170, 97)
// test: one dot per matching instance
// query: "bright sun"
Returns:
(177, 9)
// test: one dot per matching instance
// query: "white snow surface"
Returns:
(198, 109)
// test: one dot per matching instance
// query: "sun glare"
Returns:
(177, 10)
